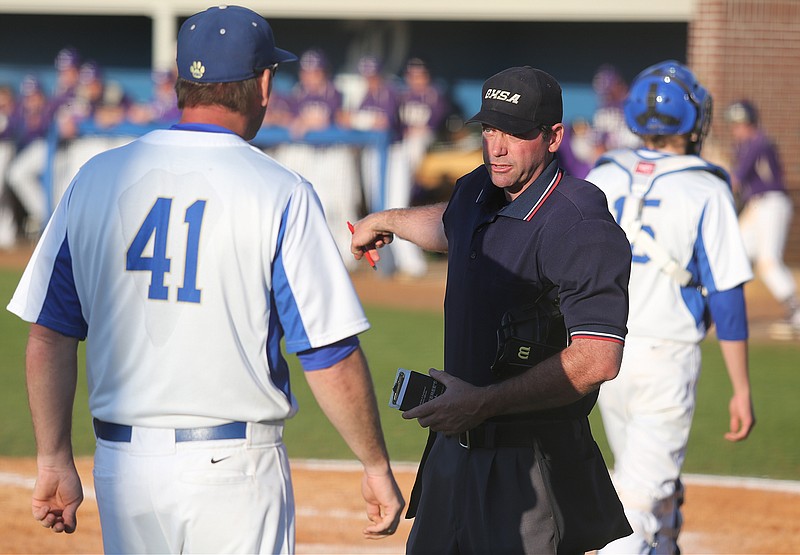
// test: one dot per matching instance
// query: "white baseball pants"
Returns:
(218, 496)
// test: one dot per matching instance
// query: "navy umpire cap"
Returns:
(225, 44)
(520, 99)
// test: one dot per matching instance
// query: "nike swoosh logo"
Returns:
(215, 461)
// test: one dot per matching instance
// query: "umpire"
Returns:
(512, 466)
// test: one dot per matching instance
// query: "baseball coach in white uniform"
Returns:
(183, 259)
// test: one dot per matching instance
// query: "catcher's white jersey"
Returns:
(184, 277)
(645, 189)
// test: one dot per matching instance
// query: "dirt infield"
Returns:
(719, 517)
(330, 515)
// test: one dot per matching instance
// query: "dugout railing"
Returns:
(59, 169)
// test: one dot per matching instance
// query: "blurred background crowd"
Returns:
(416, 142)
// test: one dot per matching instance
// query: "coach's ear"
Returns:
(265, 83)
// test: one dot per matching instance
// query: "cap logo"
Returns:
(197, 69)
(506, 96)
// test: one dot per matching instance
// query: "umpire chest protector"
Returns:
(529, 334)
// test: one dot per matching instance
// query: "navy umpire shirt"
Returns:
(501, 256)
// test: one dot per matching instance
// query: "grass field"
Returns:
(413, 340)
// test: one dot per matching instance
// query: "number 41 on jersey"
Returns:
(156, 225)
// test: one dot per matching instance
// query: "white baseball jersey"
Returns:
(645, 189)
(184, 258)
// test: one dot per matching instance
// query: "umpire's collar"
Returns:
(526, 204)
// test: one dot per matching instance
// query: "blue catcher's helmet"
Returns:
(667, 99)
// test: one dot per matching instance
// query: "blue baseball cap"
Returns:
(225, 44)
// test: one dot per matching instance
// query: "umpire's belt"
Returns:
(493, 435)
(122, 433)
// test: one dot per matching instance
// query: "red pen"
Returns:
(366, 252)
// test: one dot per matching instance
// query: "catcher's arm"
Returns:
(742, 417)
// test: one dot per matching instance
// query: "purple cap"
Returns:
(30, 85)
(416, 64)
(89, 72)
(520, 99)
(369, 66)
(313, 60)
(742, 111)
(67, 58)
(225, 44)
(606, 78)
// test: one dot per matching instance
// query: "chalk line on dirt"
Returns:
(764, 484)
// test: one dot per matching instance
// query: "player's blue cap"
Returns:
(520, 99)
(225, 44)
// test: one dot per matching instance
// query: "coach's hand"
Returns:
(384, 504)
(57, 495)
(456, 410)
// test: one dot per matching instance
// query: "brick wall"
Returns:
(751, 49)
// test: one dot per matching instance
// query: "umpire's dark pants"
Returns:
(554, 496)
(481, 501)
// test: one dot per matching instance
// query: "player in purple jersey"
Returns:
(422, 109)
(380, 110)
(377, 110)
(315, 104)
(8, 223)
(608, 122)
(32, 124)
(421, 112)
(33, 120)
(766, 214)
(162, 107)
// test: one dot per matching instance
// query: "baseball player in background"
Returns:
(688, 267)
(316, 104)
(766, 214)
(183, 259)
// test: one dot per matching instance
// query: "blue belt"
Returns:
(119, 432)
